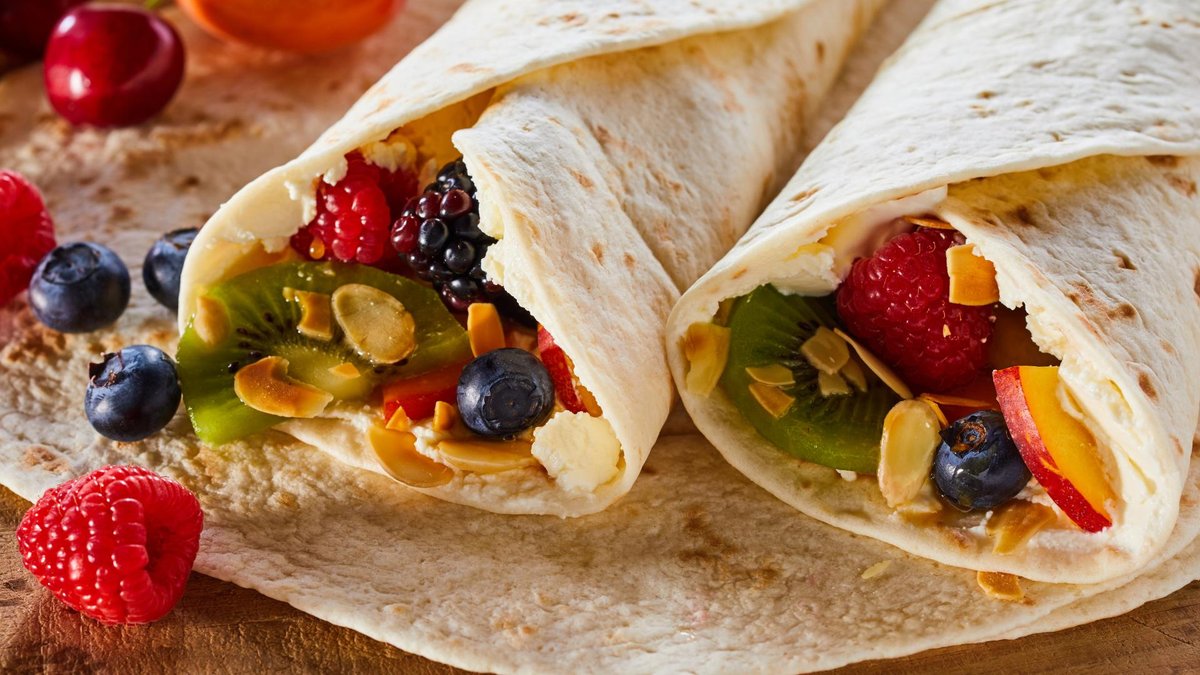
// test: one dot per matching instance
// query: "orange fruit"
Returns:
(305, 26)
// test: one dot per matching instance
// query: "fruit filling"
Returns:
(913, 371)
(381, 304)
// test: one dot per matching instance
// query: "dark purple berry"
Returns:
(464, 287)
(404, 234)
(460, 256)
(455, 203)
(428, 205)
(454, 302)
(467, 227)
(433, 237)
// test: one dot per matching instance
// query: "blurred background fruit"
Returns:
(111, 65)
(306, 26)
(25, 25)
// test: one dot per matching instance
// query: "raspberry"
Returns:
(117, 544)
(354, 219)
(26, 233)
(897, 302)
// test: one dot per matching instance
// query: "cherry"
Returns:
(110, 65)
(25, 25)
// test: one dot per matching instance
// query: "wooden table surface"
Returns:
(219, 627)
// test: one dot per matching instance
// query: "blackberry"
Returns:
(438, 235)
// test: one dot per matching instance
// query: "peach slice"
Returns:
(484, 328)
(1057, 448)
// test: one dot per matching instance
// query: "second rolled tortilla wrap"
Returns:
(1061, 139)
(618, 151)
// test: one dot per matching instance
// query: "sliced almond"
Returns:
(345, 371)
(316, 317)
(825, 351)
(875, 570)
(484, 329)
(397, 454)
(881, 369)
(1016, 522)
(924, 221)
(706, 346)
(399, 421)
(853, 373)
(958, 401)
(265, 386)
(937, 410)
(972, 277)
(444, 416)
(772, 399)
(776, 374)
(1001, 586)
(376, 324)
(487, 457)
(910, 436)
(832, 384)
(210, 322)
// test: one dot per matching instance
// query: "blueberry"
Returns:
(79, 288)
(164, 265)
(132, 394)
(977, 466)
(504, 392)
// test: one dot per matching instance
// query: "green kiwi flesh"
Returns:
(263, 323)
(841, 432)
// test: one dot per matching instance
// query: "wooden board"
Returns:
(218, 627)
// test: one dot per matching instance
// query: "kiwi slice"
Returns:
(258, 321)
(842, 432)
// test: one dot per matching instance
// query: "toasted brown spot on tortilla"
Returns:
(1167, 346)
(820, 51)
(187, 182)
(986, 94)
(1169, 161)
(468, 68)
(1123, 311)
(120, 212)
(630, 261)
(598, 251)
(804, 196)
(1021, 215)
(583, 180)
(739, 274)
(1147, 386)
(1185, 186)
(1123, 261)
(1196, 283)
(1056, 136)
(41, 457)
(720, 558)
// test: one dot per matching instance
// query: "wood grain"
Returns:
(219, 627)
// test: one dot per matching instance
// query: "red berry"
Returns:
(897, 302)
(26, 233)
(353, 222)
(117, 544)
(398, 186)
(109, 65)
(25, 25)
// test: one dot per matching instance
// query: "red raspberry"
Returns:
(26, 233)
(897, 302)
(116, 544)
(354, 217)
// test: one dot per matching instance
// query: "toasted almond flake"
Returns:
(589, 401)
(876, 569)
(376, 324)
(775, 374)
(848, 476)
(910, 436)
(853, 373)
(399, 421)
(937, 410)
(924, 509)
(881, 370)
(772, 399)
(210, 322)
(959, 401)
(945, 330)
(972, 278)
(1016, 522)
(1001, 586)
(444, 416)
(346, 371)
(487, 456)
(832, 384)
(825, 351)
(397, 454)
(265, 386)
(484, 329)
(316, 317)
(921, 221)
(706, 347)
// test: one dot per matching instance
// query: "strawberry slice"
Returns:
(561, 372)
(419, 395)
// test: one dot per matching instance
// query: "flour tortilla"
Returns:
(1068, 136)
(602, 139)
(696, 569)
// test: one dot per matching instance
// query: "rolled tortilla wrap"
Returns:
(1061, 139)
(617, 152)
